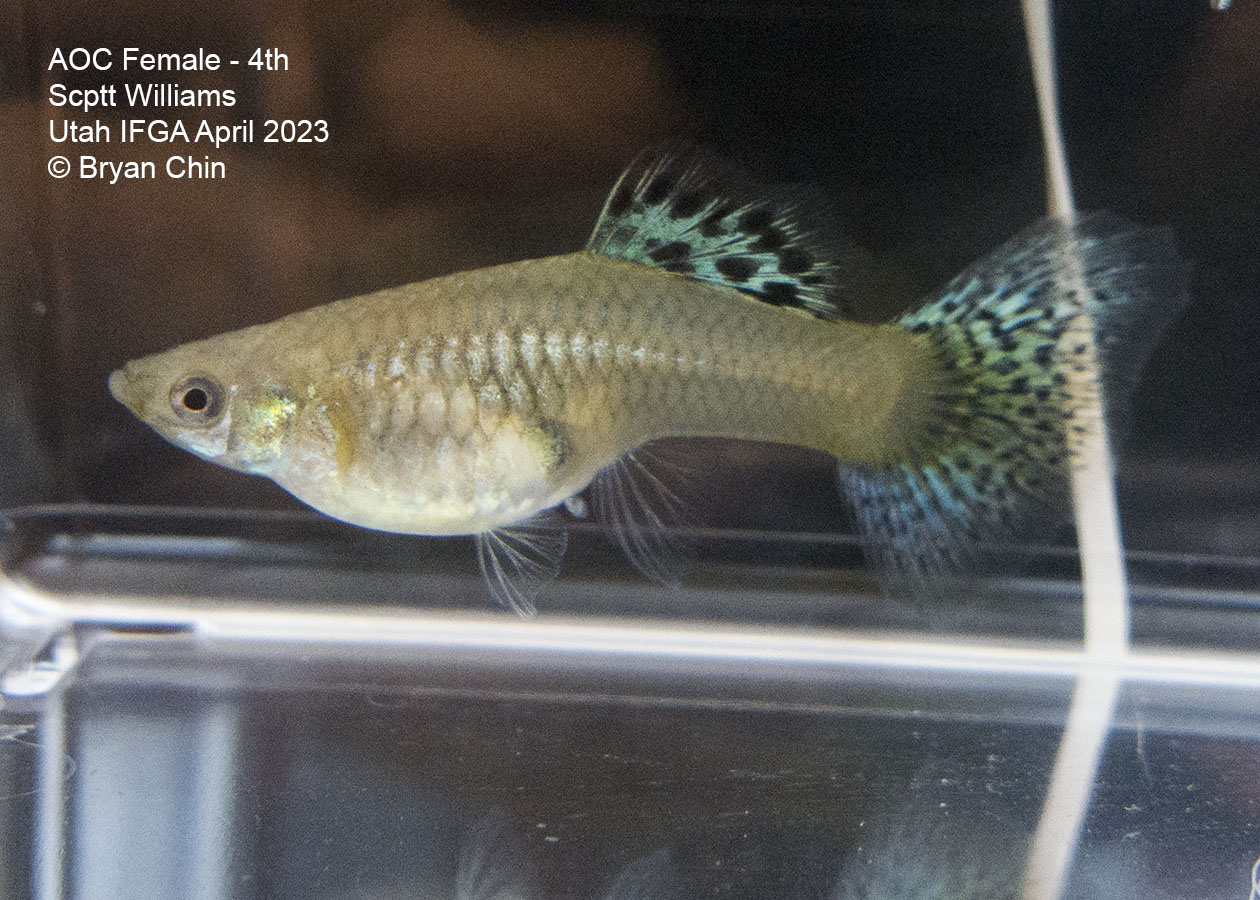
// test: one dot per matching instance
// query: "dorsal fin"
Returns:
(689, 212)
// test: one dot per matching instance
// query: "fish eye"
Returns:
(197, 400)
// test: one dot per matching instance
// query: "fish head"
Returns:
(210, 404)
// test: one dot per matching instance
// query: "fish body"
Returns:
(702, 306)
(471, 402)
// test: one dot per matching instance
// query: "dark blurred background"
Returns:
(471, 133)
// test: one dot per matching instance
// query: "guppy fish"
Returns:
(703, 305)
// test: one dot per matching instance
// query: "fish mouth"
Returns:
(119, 387)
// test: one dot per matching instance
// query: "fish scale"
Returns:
(686, 374)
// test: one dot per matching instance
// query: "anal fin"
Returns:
(638, 497)
(653, 877)
(492, 865)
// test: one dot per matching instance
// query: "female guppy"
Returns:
(702, 306)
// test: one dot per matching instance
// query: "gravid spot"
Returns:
(553, 442)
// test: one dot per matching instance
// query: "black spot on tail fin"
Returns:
(1012, 335)
(688, 212)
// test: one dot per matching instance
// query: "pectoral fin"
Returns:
(519, 561)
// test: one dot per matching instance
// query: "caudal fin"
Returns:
(1012, 333)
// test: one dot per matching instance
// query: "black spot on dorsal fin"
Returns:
(688, 212)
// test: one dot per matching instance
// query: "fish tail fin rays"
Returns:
(520, 561)
(689, 212)
(1012, 334)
